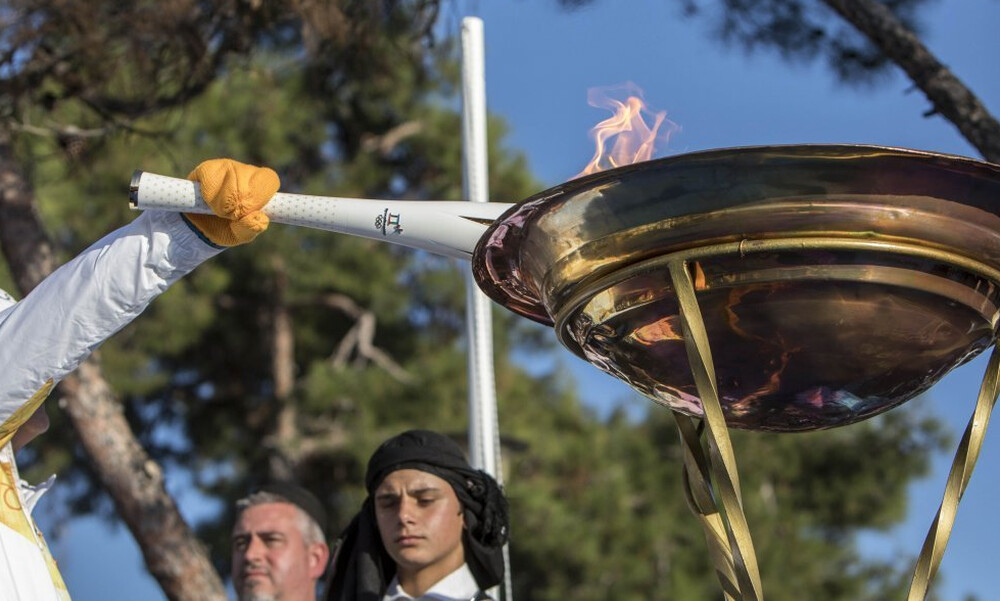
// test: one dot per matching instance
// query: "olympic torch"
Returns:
(449, 228)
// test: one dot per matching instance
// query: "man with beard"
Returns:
(279, 551)
(432, 528)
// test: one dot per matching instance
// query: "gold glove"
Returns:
(236, 192)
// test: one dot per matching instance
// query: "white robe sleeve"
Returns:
(48, 333)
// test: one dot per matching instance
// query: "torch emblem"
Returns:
(388, 223)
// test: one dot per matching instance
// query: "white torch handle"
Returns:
(444, 227)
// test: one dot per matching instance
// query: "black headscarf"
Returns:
(298, 496)
(362, 567)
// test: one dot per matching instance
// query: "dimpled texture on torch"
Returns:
(236, 193)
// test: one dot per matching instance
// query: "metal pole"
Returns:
(484, 434)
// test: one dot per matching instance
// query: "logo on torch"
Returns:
(387, 221)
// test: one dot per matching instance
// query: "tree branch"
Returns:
(172, 553)
(946, 92)
(387, 142)
(361, 338)
(283, 374)
(23, 240)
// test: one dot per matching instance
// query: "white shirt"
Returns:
(460, 585)
(46, 336)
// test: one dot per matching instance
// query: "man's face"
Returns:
(271, 560)
(420, 521)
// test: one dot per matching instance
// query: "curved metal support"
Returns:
(721, 460)
(697, 482)
(958, 480)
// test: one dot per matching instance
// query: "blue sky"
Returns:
(540, 60)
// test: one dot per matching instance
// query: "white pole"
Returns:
(484, 434)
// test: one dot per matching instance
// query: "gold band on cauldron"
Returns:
(745, 247)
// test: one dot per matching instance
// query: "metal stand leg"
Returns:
(698, 492)
(728, 536)
(958, 479)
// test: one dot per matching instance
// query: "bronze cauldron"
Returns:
(835, 281)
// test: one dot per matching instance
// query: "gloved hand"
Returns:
(236, 192)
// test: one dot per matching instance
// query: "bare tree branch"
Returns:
(387, 142)
(949, 96)
(58, 131)
(361, 338)
(22, 238)
(283, 374)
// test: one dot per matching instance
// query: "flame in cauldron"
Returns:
(625, 137)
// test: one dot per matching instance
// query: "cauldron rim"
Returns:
(500, 276)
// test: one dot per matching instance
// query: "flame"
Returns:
(634, 139)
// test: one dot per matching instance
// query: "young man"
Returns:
(279, 550)
(431, 528)
(47, 335)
